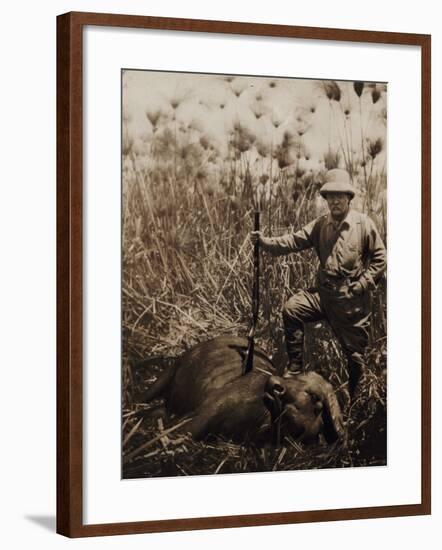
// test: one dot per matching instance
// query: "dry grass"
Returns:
(187, 277)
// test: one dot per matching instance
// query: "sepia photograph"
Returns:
(254, 274)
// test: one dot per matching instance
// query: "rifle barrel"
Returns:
(255, 301)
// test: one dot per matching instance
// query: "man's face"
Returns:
(338, 204)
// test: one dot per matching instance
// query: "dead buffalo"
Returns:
(207, 383)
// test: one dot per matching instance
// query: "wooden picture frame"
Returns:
(70, 269)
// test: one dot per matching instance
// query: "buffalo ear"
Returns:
(318, 408)
(332, 417)
(331, 413)
(331, 432)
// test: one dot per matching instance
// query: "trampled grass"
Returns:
(188, 204)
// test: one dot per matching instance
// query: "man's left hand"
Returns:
(356, 288)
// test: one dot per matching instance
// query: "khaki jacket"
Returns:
(352, 250)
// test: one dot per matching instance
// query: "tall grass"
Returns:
(188, 206)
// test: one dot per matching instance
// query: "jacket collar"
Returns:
(349, 220)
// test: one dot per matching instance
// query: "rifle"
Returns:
(248, 360)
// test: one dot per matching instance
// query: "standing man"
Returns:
(352, 258)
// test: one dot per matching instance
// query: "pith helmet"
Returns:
(337, 181)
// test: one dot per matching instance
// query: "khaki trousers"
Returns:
(348, 316)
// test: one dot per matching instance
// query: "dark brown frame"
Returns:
(70, 266)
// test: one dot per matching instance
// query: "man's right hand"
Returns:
(256, 237)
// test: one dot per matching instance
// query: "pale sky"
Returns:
(214, 104)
